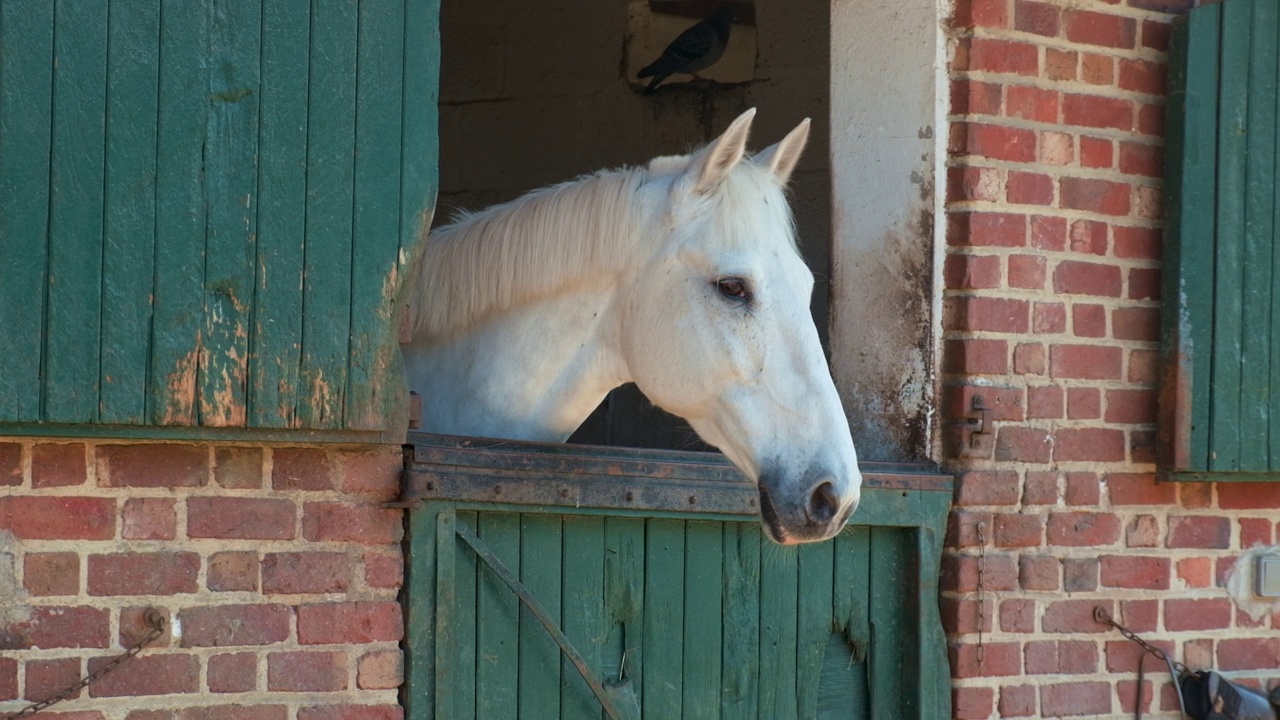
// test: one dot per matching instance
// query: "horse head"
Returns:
(715, 327)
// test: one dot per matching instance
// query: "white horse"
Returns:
(682, 277)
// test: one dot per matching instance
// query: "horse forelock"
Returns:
(531, 247)
(749, 204)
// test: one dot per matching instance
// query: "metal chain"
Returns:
(982, 577)
(1102, 616)
(154, 621)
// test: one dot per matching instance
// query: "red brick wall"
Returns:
(276, 566)
(1051, 314)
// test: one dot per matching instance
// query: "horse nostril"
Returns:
(823, 503)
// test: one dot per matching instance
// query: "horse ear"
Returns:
(781, 157)
(716, 160)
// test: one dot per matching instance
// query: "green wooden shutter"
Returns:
(654, 567)
(206, 212)
(1220, 394)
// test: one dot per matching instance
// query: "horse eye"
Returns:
(733, 287)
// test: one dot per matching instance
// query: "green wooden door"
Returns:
(206, 210)
(1220, 394)
(676, 600)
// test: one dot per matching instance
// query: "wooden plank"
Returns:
(890, 659)
(844, 685)
(420, 139)
(462, 665)
(740, 674)
(624, 563)
(1191, 154)
(540, 570)
(582, 612)
(779, 593)
(326, 295)
(26, 123)
(814, 622)
(1259, 321)
(663, 619)
(1273, 441)
(1224, 434)
(498, 621)
(231, 172)
(372, 384)
(282, 191)
(931, 694)
(74, 312)
(177, 321)
(133, 72)
(703, 619)
(450, 632)
(422, 588)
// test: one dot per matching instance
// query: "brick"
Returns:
(1026, 271)
(1040, 488)
(1142, 76)
(1196, 614)
(1095, 444)
(1097, 69)
(1199, 531)
(973, 183)
(1060, 64)
(152, 465)
(1085, 362)
(352, 622)
(1000, 142)
(57, 465)
(1096, 152)
(51, 574)
(983, 13)
(972, 97)
(300, 469)
(1080, 574)
(151, 715)
(58, 518)
(1030, 188)
(149, 519)
(1196, 572)
(1249, 654)
(976, 357)
(1029, 359)
(1136, 324)
(1038, 18)
(987, 488)
(1014, 531)
(1086, 278)
(1254, 532)
(1039, 573)
(351, 712)
(305, 572)
(1022, 444)
(238, 468)
(1017, 701)
(971, 272)
(1139, 489)
(1000, 659)
(984, 229)
(1096, 111)
(1088, 236)
(1099, 28)
(1150, 203)
(383, 570)
(1049, 318)
(59, 627)
(962, 528)
(46, 678)
(233, 570)
(1018, 616)
(306, 671)
(1248, 496)
(1031, 103)
(1003, 56)
(1151, 120)
(1079, 698)
(1083, 488)
(1141, 159)
(1083, 403)
(159, 573)
(1093, 195)
(381, 670)
(163, 674)
(1044, 657)
(367, 524)
(1194, 496)
(1144, 284)
(240, 518)
(233, 672)
(1088, 321)
(991, 314)
(972, 703)
(134, 627)
(1132, 571)
(1140, 615)
(1155, 33)
(1143, 367)
(1122, 655)
(1198, 652)
(966, 616)
(1131, 406)
(234, 625)
(10, 465)
(1055, 148)
(1083, 529)
(375, 471)
(1048, 233)
(234, 712)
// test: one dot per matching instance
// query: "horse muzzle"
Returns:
(802, 512)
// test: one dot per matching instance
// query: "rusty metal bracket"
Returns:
(980, 425)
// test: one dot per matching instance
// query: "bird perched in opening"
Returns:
(697, 48)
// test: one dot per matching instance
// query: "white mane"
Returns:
(531, 247)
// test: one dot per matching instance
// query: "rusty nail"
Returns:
(564, 492)
(631, 495)
(431, 486)
(693, 499)
(497, 489)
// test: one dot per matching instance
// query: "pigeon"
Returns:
(697, 48)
